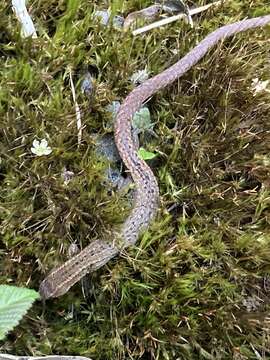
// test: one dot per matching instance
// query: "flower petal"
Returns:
(34, 150)
(44, 143)
(35, 143)
(47, 151)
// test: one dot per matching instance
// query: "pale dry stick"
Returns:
(99, 252)
(77, 110)
(28, 28)
(174, 18)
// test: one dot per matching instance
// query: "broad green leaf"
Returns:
(145, 155)
(14, 303)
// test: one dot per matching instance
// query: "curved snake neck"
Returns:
(99, 252)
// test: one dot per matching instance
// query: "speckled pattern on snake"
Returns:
(99, 252)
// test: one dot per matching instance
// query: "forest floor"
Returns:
(197, 283)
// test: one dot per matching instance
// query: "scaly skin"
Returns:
(99, 252)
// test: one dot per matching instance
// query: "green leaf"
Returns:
(146, 155)
(14, 303)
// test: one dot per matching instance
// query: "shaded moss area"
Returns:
(197, 284)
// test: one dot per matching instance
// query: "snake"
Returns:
(146, 201)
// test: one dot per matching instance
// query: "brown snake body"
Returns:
(99, 252)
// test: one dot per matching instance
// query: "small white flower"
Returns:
(259, 86)
(139, 76)
(41, 148)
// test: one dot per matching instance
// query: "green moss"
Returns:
(182, 291)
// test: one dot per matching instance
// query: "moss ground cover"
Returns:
(197, 284)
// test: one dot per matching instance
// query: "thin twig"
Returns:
(174, 18)
(77, 111)
(28, 28)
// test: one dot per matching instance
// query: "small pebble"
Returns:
(103, 16)
(106, 147)
(87, 85)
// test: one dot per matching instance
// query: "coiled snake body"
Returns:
(99, 252)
